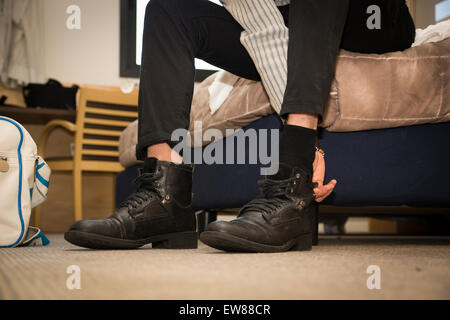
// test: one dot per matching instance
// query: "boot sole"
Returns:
(179, 240)
(227, 242)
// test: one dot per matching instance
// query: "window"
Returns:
(132, 13)
(442, 10)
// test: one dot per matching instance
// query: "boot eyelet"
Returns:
(301, 205)
(166, 199)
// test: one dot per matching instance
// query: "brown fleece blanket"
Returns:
(370, 91)
(391, 90)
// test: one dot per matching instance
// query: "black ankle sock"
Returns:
(149, 165)
(297, 147)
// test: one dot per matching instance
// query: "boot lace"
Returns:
(273, 195)
(146, 189)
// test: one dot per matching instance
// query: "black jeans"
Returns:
(177, 31)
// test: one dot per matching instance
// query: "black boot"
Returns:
(281, 218)
(159, 212)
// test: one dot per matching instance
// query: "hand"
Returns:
(322, 191)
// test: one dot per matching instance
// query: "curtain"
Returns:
(21, 42)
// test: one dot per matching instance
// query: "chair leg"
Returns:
(204, 218)
(77, 195)
(114, 187)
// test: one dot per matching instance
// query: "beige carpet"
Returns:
(336, 269)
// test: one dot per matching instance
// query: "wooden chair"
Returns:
(102, 115)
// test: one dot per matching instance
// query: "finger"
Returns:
(322, 189)
(325, 191)
(324, 196)
(319, 182)
(331, 184)
(320, 192)
(329, 188)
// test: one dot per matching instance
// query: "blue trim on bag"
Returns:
(19, 156)
(39, 240)
(40, 166)
(42, 180)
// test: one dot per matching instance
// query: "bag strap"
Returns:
(41, 183)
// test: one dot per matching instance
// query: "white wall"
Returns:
(86, 56)
(425, 13)
(91, 55)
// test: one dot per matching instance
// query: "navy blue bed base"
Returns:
(389, 167)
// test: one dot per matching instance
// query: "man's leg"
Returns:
(160, 212)
(175, 33)
(343, 24)
(315, 33)
(281, 217)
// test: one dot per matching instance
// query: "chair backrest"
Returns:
(102, 115)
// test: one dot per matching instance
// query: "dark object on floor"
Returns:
(335, 225)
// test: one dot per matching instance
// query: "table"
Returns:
(37, 115)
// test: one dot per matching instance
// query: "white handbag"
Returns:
(24, 181)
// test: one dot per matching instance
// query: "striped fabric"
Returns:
(282, 2)
(266, 38)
